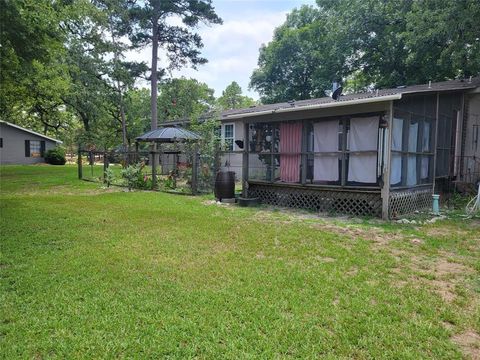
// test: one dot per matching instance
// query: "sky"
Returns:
(232, 48)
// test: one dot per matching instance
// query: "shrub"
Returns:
(55, 156)
(135, 178)
(109, 176)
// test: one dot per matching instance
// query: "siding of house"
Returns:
(13, 149)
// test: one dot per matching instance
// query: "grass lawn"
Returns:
(92, 273)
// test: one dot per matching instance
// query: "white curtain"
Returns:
(397, 134)
(325, 167)
(396, 159)
(413, 137)
(395, 168)
(425, 167)
(363, 137)
(426, 136)
(412, 170)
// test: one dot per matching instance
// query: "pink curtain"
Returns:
(290, 143)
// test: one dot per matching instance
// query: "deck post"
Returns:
(387, 152)
(79, 162)
(245, 160)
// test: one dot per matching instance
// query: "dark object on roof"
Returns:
(336, 90)
(168, 134)
(451, 85)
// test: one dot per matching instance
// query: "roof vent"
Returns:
(336, 90)
(292, 103)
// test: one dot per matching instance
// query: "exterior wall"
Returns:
(233, 161)
(13, 150)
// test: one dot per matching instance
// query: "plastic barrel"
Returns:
(225, 185)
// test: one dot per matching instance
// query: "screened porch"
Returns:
(361, 163)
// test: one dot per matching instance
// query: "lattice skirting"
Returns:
(327, 201)
(407, 201)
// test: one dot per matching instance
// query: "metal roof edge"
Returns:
(31, 131)
(317, 106)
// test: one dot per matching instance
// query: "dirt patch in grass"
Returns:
(469, 342)
(442, 232)
(377, 235)
(442, 275)
(443, 268)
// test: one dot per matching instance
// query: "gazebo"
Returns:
(170, 135)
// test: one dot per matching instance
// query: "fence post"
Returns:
(216, 164)
(79, 162)
(105, 166)
(195, 170)
(154, 165)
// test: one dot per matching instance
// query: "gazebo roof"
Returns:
(168, 134)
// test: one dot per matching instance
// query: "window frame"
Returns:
(232, 138)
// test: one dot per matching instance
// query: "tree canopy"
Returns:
(183, 98)
(63, 69)
(232, 98)
(369, 43)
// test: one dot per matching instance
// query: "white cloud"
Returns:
(231, 49)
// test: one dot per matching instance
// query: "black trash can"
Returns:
(225, 185)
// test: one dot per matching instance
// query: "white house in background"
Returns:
(23, 146)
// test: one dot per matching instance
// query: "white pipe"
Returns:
(318, 106)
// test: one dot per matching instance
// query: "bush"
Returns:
(55, 156)
(135, 178)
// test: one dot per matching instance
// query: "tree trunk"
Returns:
(154, 75)
(120, 95)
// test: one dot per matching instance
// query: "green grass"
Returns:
(92, 273)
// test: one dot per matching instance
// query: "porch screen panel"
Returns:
(412, 159)
(362, 165)
(396, 159)
(290, 151)
(262, 143)
(412, 136)
(325, 166)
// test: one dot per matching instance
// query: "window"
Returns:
(228, 136)
(1, 143)
(34, 148)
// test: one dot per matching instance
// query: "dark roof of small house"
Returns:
(451, 85)
(30, 131)
(168, 134)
